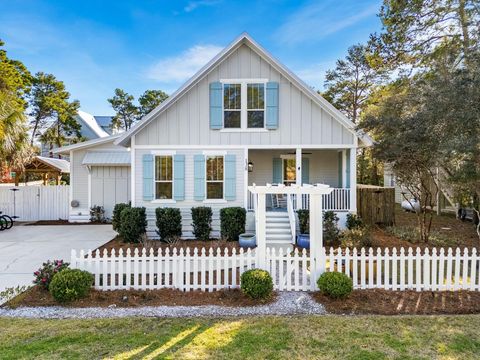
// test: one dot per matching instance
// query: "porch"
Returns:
(332, 167)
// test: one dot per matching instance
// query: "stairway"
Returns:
(278, 228)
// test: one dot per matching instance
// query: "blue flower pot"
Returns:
(303, 240)
(247, 240)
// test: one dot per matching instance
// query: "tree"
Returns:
(52, 112)
(149, 100)
(126, 111)
(413, 31)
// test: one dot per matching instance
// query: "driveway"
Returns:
(23, 249)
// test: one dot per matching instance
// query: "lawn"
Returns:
(326, 337)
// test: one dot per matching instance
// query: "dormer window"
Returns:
(244, 104)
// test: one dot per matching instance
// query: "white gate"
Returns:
(33, 203)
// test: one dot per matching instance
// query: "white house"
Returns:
(243, 119)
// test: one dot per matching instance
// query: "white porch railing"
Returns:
(337, 200)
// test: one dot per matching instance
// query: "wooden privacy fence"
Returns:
(33, 203)
(208, 271)
(376, 205)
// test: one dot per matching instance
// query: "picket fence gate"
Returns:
(35, 202)
(187, 269)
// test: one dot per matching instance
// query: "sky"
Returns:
(97, 46)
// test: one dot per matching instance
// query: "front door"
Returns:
(289, 171)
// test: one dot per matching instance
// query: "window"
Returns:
(255, 105)
(163, 177)
(214, 168)
(232, 105)
(289, 171)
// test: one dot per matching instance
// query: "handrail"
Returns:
(291, 217)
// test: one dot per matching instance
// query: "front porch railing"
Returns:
(337, 200)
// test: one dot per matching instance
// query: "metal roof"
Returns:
(60, 165)
(113, 158)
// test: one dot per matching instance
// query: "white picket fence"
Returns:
(33, 203)
(293, 271)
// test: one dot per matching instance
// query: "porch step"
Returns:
(278, 228)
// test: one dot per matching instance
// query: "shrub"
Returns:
(97, 214)
(169, 223)
(133, 224)
(71, 284)
(257, 283)
(354, 222)
(304, 221)
(331, 232)
(44, 275)
(359, 237)
(335, 284)
(202, 222)
(232, 222)
(116, 215)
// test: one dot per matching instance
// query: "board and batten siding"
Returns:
(301, 121)
(189, 202)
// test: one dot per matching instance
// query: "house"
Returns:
(91, 127)
(242, 119)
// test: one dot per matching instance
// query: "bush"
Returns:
(71, 284)
(133, 224)
(331, 232)
(44, 275)
(232, 222)
(97, 214)
(116, 215)
(202, 222)
(256, 283)
(354, 222)
(359, 237)
(304, 221)
(169, 223)
(335, 284)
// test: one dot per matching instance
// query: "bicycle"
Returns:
(6, 222)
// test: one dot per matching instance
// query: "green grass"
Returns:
(308, 337)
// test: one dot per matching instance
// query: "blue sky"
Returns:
(96, 46)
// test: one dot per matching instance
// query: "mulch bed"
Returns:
(117, 244)
(61, 222)
(386, 302)
(37, 296)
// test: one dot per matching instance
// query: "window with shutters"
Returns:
(163, 177)
(255, 105)
(214, 177)
(232, 105)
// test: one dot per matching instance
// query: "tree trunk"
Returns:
(463, 19)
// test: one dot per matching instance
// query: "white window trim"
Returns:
(244, 105)
(164, 154)
(222, 155)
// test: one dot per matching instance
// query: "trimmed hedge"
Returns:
(169, 223)
(232, 222)
(331, 232)
(354, 222)
(304, 221)
(117, 209)
(70, 284)
(133, 224)
(335, 284)
(202, 222)
(256, 283)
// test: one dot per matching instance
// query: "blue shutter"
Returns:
(199, 177)
(340, 172)
(272, 105)
(179, 177)
(230, 180)
(216, 118)
(277, 171)
(347, 163)
(148, 177)
(305, 171)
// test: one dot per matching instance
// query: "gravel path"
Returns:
(288, 303)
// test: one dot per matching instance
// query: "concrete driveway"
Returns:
(23, 248)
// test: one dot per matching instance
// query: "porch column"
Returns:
(261, 231)
(344, 169)
(298, 176)
(245, 178)
(353, 180)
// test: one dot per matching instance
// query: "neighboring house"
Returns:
(243, 119)
(92, 127)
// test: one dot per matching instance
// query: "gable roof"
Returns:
(46, 163)
(85, 144)
(104, 122)
(91, 121)
(246, 39)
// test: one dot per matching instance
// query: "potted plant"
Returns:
(303, 239)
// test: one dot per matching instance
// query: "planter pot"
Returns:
(303, 240)
(247, 240)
